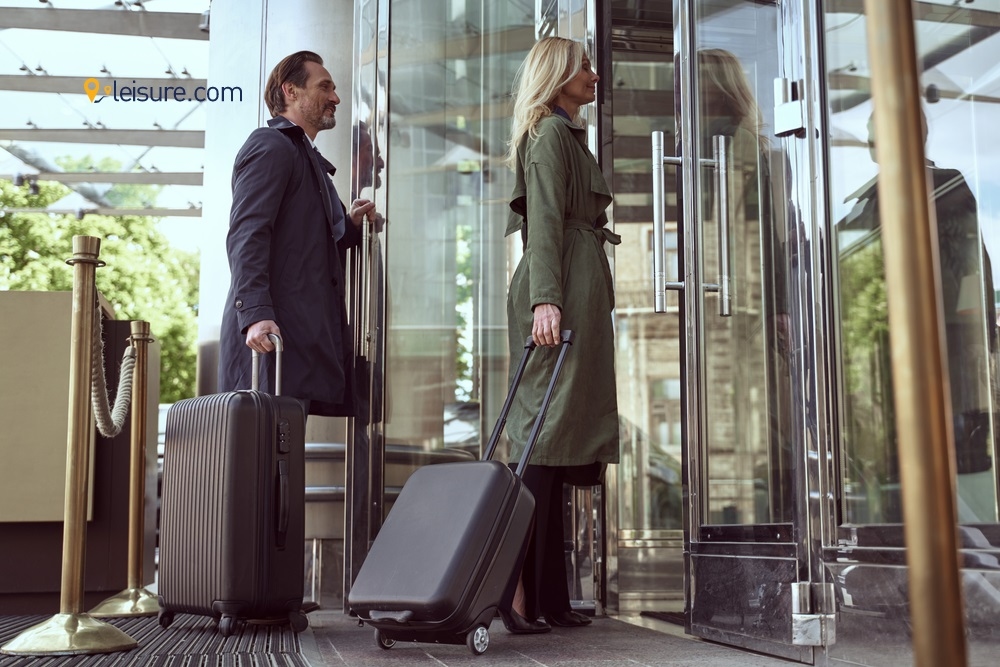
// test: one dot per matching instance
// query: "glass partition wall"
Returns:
(440, 106)
(960, 116)
(436, 87)
(449, 80)
(957, 48)
(449, 69)
(646, 528)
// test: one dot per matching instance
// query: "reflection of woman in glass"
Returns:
(759, 325)
(563, 281)
(726, 101)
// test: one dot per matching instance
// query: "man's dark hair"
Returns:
(292, 69)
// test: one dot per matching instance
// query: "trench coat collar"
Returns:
(320, 164)
(579, 133)
(293, 131)
(515, 214)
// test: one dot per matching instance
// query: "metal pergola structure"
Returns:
(121, 18)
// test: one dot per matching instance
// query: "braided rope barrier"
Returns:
(110, 421)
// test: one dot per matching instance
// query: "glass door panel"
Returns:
(449, 80)
(442, 107)
(743, 561)
(649, 490)
(740, 235)
(432, 101)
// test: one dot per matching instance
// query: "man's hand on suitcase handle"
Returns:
(545, 327)
(257, 335)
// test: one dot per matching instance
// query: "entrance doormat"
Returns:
(191, 640)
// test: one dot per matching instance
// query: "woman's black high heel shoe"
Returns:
(519, 625)
(568, 619)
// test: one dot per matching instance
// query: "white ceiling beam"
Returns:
(130, 178)
(74, 84)
(172, 138)
(172, 25)
(29, 156)
(103, 210)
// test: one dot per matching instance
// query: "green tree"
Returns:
(145, 277)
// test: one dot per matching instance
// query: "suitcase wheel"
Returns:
(298, 621)
(227, 626)
(383, 641)
(165, 618)
(478, 640)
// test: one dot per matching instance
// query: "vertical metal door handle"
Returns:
(365, 291)
(660, 284)
(659, 293)
(720, 146)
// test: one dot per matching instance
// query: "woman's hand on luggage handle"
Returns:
(257, 335)
(545, 328)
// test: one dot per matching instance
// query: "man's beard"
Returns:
(323, 121)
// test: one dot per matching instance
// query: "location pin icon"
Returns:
(91, 86)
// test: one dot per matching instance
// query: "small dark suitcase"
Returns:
(439, 566)
(232, 512)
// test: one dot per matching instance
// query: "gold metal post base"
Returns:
(69, 634)
(130, 602)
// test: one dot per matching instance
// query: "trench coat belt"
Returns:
(602, 233)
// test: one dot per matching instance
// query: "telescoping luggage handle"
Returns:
(284, 504)
(529, 345)
(255, 366)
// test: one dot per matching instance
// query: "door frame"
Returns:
(805, 595)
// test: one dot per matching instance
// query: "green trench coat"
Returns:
(561, 193)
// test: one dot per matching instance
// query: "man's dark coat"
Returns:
(286, 266)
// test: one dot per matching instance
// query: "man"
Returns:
(287, 242)
(968, 308)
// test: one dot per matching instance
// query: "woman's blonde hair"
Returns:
(550, 65)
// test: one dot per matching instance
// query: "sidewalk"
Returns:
(335, 640)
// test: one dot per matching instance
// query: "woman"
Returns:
(563, 281)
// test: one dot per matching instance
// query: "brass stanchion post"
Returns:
(920, 381)
(72, 632)
(135, 600)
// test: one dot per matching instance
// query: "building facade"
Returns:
(759, 488)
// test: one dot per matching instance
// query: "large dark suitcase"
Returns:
(439, 566)
(232, 513)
